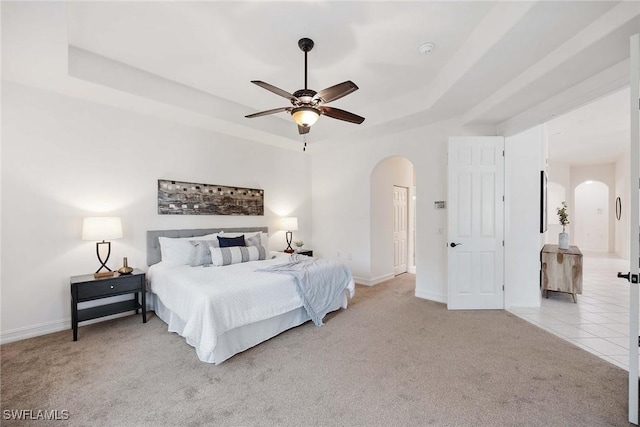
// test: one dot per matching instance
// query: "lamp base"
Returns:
(289, 249)
(103, 274)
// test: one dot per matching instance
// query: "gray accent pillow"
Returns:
(202, 254)
(254, 240)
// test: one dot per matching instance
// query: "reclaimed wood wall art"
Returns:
(187, 198)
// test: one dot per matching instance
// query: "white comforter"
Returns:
(213, 300)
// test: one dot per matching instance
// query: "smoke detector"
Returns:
(426, 48)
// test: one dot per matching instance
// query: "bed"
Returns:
(224, 310)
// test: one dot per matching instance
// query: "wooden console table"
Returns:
(561, 270)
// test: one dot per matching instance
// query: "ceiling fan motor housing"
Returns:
(305, 96)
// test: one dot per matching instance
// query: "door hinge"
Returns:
(503, 243)
(503, 198)
(502, 153)
(503, 287)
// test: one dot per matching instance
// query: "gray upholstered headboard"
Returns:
(153, 245)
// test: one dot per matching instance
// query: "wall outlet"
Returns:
(349, 256)
(439, 231)
(338, 254)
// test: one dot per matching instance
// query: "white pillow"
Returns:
(236, 254)
(178, 251)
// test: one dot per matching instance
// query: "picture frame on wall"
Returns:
(543, 201)
(188, 198)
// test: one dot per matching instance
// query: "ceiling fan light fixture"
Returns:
(305, 116)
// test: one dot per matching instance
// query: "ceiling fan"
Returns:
(307, 104)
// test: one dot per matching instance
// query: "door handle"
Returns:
(623, 276)
(453, 245)
(633, 278)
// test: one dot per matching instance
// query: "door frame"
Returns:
(406, 246)
(634, 228)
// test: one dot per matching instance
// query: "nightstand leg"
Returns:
(144, 306)
(74, 319)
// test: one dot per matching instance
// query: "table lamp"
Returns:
(290, 224)
(101, 229)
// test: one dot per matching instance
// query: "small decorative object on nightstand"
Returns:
(88, 288)
(125, 269)
(307, 252)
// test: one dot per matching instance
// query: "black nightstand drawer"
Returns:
(98, 289)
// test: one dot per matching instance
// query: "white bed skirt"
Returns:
(244, 337)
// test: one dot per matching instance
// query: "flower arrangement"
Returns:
(299, 243)
(563, 215)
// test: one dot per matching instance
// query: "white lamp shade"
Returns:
(289, 223)
(101, 228)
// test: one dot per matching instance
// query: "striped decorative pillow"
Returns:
(236, 254)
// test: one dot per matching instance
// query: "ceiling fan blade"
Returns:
(336, 113)
(335, 92)
(303, 129)
(267, 112)
(276, 90)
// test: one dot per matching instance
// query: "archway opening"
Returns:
(393, 217)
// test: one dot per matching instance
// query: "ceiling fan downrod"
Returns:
(305, 45)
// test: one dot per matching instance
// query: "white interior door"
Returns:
(634, 228)
(400, 229)
(476, 223)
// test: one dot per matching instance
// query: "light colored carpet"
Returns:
(389, 359)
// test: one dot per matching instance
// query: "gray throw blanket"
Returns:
(319, 282)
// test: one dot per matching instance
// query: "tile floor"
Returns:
(599, 322)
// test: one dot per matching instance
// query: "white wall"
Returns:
(560, 174)
(524, 159)
(342, 201)
(64, 159)
(604, 173)
(392, 171)
(591, 216)
(616, 177)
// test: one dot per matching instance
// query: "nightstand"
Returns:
(87, 288)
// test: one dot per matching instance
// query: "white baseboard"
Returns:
(25, 332)
(374, 281)
(35, 330)
(431, 297)
(412, 269)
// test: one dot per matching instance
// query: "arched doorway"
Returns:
(392, 185)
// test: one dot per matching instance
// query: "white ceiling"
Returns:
(598, 132)
(510, 65)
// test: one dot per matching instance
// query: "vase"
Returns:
(563, 240)
(125, 269)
